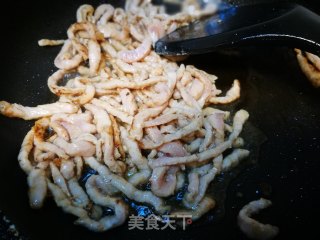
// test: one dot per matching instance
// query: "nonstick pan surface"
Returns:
(284, 108)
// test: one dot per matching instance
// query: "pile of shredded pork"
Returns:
(129, 114)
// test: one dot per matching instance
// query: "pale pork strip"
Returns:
(29, 113)
(252, 228)
(232, 95)
(49, 42)
(115, 83)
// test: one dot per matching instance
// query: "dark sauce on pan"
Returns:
(87, 173)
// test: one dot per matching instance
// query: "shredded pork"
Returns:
(119, 101)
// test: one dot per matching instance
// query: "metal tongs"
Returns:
(280, 24)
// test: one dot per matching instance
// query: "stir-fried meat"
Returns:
(135, 118)
(252, 228)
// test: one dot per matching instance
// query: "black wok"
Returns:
(284, 107)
